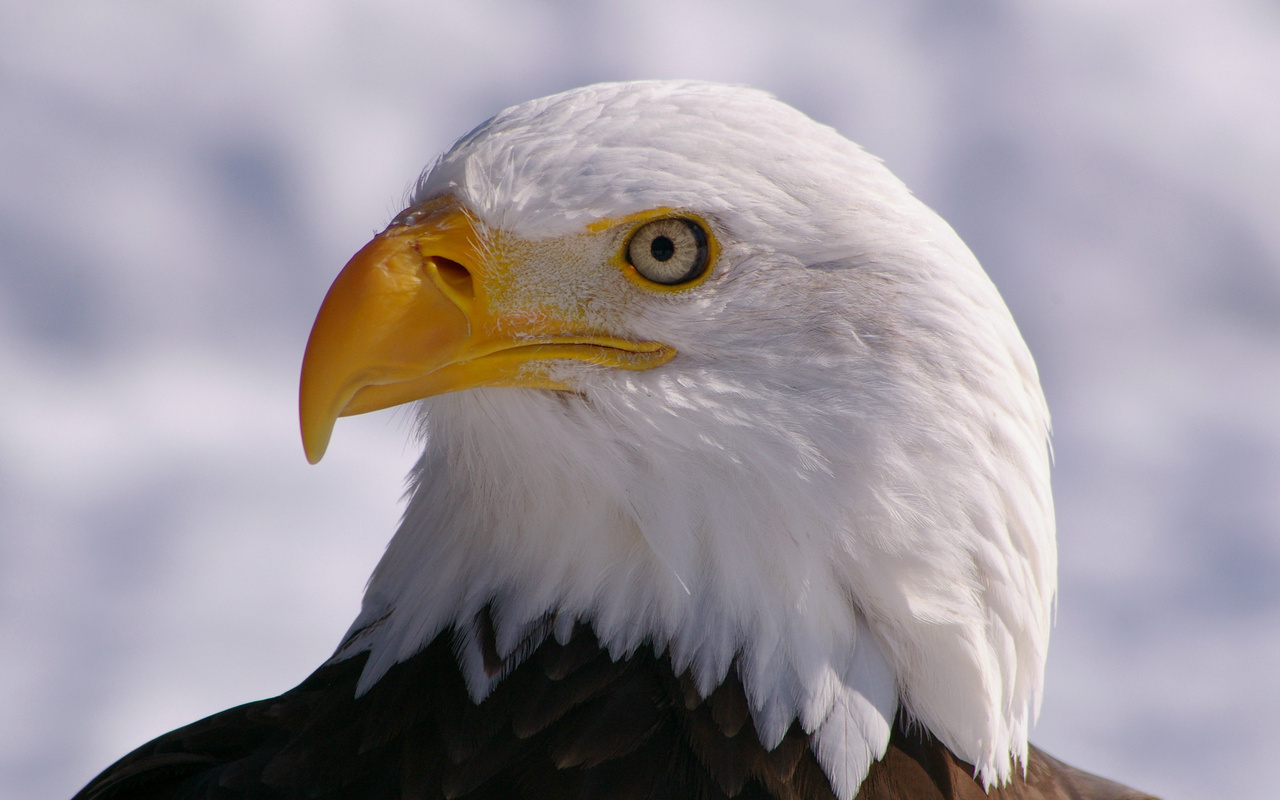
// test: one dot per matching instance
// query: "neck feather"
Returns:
(730, 544)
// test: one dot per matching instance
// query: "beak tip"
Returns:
(314, 450)
(315, 434)
(315, 417)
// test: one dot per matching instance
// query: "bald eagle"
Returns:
(735, 483)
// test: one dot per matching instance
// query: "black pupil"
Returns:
(662, 248)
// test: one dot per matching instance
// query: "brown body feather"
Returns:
(569, 722)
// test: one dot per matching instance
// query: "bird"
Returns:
(734, 483)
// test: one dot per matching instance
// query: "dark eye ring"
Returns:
(669, 251)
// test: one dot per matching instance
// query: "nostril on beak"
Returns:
(453, 278)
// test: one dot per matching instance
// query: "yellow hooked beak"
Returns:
(411, 316)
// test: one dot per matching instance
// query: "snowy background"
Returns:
(180, 181)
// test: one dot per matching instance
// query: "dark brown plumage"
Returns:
(568, 722)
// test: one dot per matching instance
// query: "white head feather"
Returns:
(839, 487)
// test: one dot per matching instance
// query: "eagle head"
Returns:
(698, 372)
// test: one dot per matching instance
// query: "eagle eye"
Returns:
(669, 251)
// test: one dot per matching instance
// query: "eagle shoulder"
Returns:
(569, 721)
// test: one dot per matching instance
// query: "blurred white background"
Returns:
(180, 181)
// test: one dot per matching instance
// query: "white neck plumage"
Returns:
(841, 564)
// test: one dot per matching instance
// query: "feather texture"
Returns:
(416, 734)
